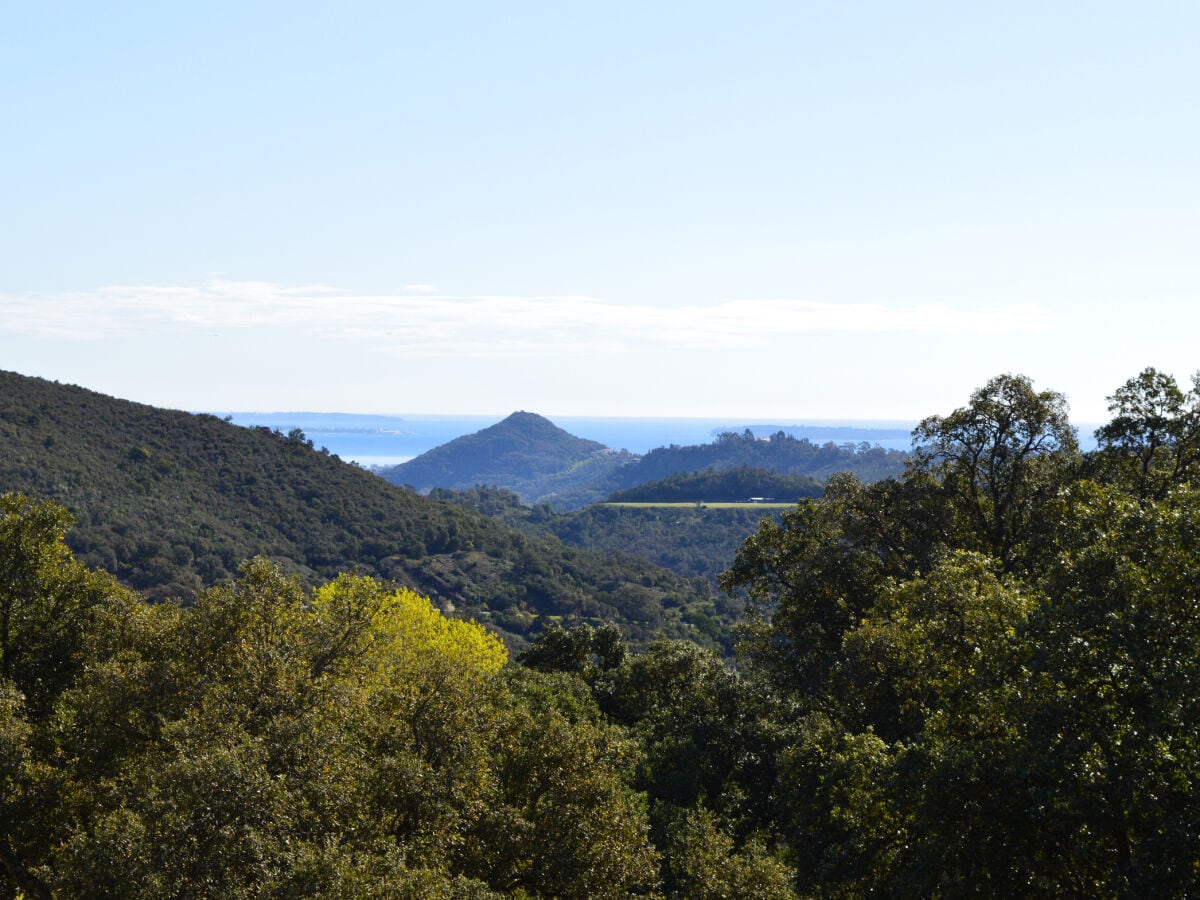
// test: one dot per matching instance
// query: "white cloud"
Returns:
(425, 323)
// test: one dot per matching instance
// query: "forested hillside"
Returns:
(780, 453)
(171, 502)
(979, 679)
(694, 541)
(736, 485)
(541, 463)
(524, 453)
(271, 741)
(992, 665)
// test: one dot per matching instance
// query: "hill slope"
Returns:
(540, 462)
(734, 485)
(693, 542)
(171, 502)
(525, 453)
(780, 453)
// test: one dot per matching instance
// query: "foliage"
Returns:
(1153, 441)
(579, 650)
(731, 485)
(564, 824)
(407, 630)
(708, 740)
(541, 463)
(272, 741)
(172, 503)
(780, 453)
(979, 678)
(999, 457)
(992, 662)
(524, 453)
(706, 864)
(694, 542)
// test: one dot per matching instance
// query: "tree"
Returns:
(46, 601)
(1153, 440)
(706, 740)
(271, 740)
(562, 821)
(56, 620)
(806, 581)
(992, 662)
(1118, 652)
(704, 730)
(703, 863)
(998, 457)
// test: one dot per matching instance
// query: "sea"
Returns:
(381, 440)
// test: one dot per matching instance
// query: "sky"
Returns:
(801, 210)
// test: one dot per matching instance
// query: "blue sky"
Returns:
(791, 210)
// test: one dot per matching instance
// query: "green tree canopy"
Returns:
(991, 662)
(275, 741)
(1153, 440)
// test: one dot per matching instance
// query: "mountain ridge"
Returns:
(524, 452)
(171, 502)
(531, 456)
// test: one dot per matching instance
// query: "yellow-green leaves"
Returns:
(404, 628)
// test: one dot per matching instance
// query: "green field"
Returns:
(693, 505)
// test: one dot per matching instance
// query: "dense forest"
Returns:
(697, 541)
(172, 503)
(541, 463)
(525, 453)
(734, 485)
(780, 453)
(981, 677)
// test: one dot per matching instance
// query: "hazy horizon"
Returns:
(394, 439)
(857, 211)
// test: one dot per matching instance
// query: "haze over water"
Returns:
(372, 440)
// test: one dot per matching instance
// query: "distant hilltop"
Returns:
(531, 456)
(525, 453)
(172, 503)
(881, 434)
